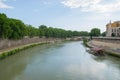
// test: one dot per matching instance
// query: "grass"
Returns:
(14, 51)
(85, 41)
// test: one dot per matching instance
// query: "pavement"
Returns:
(111, 48)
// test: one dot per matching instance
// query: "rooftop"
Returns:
(114, 24)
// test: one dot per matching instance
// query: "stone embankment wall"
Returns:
(5, 43)
(108, 39)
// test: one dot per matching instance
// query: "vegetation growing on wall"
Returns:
(85, 42)
(14, 51)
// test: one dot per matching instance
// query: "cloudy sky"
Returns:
(67, 14)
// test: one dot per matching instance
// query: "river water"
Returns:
(60, 61)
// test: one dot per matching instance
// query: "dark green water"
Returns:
(61, 61)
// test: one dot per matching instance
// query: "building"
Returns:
(113, 29)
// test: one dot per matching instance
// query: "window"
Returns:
(115, 30)
(112, 30)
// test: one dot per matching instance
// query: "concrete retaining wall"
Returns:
(5, 43)
(108, 39)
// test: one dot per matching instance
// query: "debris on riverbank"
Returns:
(109, 48)
(96, 51)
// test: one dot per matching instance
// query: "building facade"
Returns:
(113, 29)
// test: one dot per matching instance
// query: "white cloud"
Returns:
(3, 5)
(79, 3)
(94, 5)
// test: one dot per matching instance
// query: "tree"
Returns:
(84, 33)
(95, 32)
(4, 26)
(11, 28)
(42, 30)
(18, 29)
(32, 31)
(103, 34)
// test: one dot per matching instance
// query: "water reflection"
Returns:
(62, 61)
(113, 65)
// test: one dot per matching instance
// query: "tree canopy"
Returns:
(11, 28)
(95, 32)
(103, 34)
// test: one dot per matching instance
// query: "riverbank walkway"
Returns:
(112, 48)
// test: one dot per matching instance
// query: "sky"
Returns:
(80, 15)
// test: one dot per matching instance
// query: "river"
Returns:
(60, 61)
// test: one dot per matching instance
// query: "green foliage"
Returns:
(18, 29)
(103, 34)
(4, 26)
(47, 32)
(85, 42)
(95, 32)
(15, 29)
(84, 33)
(9, 53)
(32, 31)
(42, 30)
